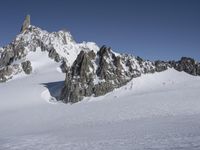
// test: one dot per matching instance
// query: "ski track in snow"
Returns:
(155, 111)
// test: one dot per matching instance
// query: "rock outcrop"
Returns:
(99, 73)
(7, 56)
(26, 23)
(90, 70)
(58, 46)
(95, 74)
(7, 72)
(26, 66)
(187, 65)
(54, 55)
(161, 65)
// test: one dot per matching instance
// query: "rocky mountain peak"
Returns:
(95, 74)
(90, 70)
(26, 23)
(99, 73)
(59, 46)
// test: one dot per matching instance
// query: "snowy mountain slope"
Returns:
(102, 72)
(89, 70)
(97, 73)
(62, 41)
(158, 110)
(59, 45)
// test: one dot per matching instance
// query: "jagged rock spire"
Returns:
(26, 23)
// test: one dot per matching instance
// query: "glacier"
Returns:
(155, 111)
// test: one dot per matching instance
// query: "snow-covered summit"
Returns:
(60, 46)
(61, 42)
(157, 110)
(90, 70)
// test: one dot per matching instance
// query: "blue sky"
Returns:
(152, 29)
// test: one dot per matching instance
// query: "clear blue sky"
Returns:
(152, 29)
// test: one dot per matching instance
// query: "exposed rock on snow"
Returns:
(90, 70)
(99, 73)
(161, 65)
(7, 56)
(188, 65)
(60, 47)
(9, 71)
(26, 23)
(26, 66)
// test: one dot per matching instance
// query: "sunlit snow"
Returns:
(154, 111)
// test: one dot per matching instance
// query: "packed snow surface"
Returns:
(154, 111)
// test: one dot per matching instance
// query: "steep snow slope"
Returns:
(155, 111)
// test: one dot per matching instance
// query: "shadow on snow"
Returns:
(54, 88)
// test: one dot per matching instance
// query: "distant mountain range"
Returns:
(90, 70)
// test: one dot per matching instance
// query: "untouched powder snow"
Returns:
(154, 111)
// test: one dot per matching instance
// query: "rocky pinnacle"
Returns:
(26, 23)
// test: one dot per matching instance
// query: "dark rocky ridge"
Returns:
(186, 64)
(97, 74)
(26, 66)
(7, 72)
(13, 52)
